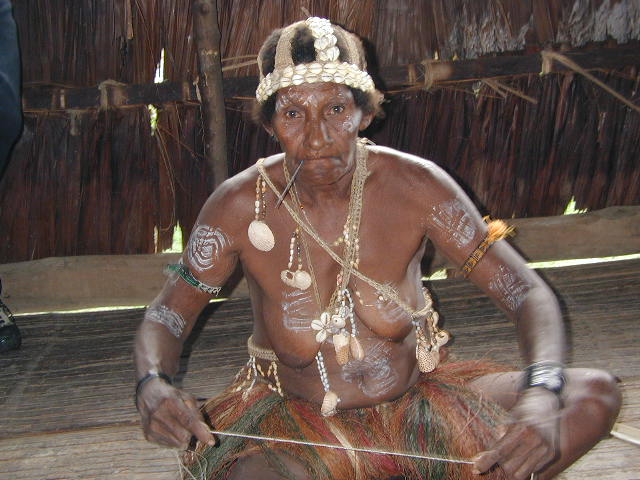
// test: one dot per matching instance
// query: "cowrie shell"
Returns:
(261, 236)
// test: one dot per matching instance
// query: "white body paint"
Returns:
(167, 317)
(298, 307)
(205, 246)
(374, 374)
(391, 311)
(452, 218)
(510, 288)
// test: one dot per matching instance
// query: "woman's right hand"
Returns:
(170, 417)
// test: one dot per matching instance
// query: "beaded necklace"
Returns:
(340, 309)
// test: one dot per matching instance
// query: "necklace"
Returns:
(339, 311)
(333, 320)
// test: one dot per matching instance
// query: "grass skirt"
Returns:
(439, 416)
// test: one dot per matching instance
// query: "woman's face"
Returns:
(318, 123)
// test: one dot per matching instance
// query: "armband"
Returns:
(188, 277)
(497, 230)
(163, 315)
(150, 376)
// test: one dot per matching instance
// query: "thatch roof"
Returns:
(86, 179)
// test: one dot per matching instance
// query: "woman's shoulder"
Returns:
(408, 170)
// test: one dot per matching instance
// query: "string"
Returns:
(339, 447)
(384, 289)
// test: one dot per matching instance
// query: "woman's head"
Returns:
(313, 51)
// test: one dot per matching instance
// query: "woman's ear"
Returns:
(269, 130)
(365, 121)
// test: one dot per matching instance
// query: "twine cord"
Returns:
(385, 290)
(339, 447)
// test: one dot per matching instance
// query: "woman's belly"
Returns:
(387, 370)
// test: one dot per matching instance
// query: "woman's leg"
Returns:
(591, 401)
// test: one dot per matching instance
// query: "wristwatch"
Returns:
(546, 374)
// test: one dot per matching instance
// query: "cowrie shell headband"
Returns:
(326, 68)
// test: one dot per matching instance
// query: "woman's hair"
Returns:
(303, 51)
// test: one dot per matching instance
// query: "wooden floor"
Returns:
(67, 393)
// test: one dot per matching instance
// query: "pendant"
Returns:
(298, 279)
(302, 279)
(427, 359)
(341, 345)
(442, 337)
(357, 352)
(261, 236)
(337, 322)
(329, 404)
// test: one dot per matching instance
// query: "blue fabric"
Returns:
(10, 108)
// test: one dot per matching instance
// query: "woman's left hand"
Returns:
(530, 442)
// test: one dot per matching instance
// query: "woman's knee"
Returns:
(598, 396)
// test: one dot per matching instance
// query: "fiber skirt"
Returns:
(438, 417)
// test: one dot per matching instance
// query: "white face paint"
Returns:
(298, 310)
(293, 97)
(374, 374)
(509, 288)
(167, 317)
(452, 219)
(205, 246)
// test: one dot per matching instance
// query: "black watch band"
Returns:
(150, 376)
(546, 374)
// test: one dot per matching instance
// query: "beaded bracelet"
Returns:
(145, 379)
(186, 275)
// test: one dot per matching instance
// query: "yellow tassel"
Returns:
(498, 230)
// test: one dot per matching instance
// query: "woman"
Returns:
(345, 347)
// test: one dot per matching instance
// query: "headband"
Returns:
(326, 68)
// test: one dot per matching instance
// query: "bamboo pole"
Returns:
(207, 33)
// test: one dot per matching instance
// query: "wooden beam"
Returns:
(450, 71)
(69, 283)
(205, 19)
(59, 98)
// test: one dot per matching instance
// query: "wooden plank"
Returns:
(71, 283)
(113, 452)
(89, 281)
(600, 233)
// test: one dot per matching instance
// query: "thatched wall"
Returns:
(97, 181)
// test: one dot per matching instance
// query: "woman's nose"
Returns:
(317, 135)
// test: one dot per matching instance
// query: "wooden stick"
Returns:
(205, 19)
(563, 59)
(626, 433)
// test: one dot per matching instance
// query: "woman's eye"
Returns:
(291, 114)
(337, 109)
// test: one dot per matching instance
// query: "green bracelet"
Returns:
(145, 379)
(186, 275)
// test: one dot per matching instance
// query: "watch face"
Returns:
(554, 383)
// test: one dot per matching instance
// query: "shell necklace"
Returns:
(339, 312)
(333, 320)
